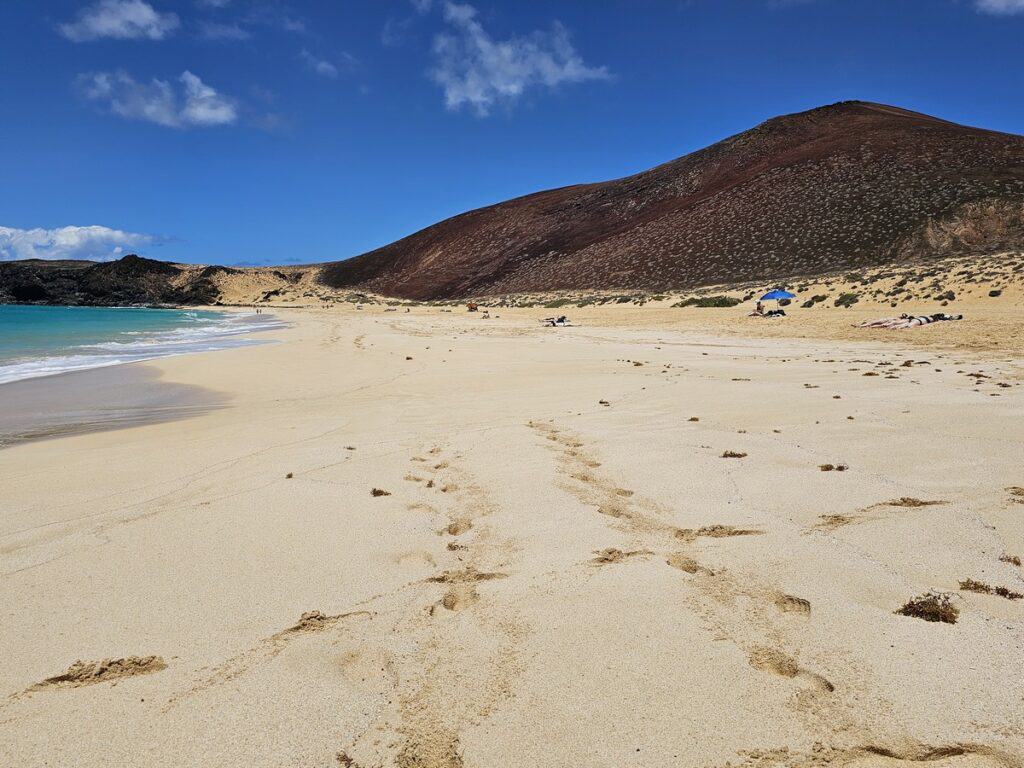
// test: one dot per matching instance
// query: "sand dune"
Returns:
(562, 569)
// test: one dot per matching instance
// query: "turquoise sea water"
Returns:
(41, 341)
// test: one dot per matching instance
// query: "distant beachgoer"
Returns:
(906, 321)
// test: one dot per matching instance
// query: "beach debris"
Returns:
(970, 585)
(1011, 559)
(694, 418)
(733, 455)
(377, 492)
(931, 606)
(289, 476)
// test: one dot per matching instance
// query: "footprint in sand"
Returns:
(458, 527)
(910, 502)
(461, 592)
(314, 621)
(772, 660)
(438, 748)
(715, 532)
(948, 756)
(687, 564)
(416, 558)
(792, 604)
(612, 555)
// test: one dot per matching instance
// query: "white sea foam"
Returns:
(207, 336)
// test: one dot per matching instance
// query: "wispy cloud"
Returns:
(1000, 7)
(213, 3)
(94, 242)
(121, 20)
(394, 31)
(320, 66)
(396, 28)
(276, 15)
(212, 30)
(478, 71)
(188, 103)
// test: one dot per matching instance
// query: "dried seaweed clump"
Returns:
(931, 606)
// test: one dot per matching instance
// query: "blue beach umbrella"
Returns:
(778, 294)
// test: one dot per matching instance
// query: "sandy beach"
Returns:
(433, 540)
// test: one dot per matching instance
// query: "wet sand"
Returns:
(437, 541)
(100, 399)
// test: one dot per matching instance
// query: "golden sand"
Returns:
(562, 569)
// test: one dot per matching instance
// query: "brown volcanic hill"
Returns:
(844, 186)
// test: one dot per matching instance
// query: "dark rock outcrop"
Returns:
(129, 280)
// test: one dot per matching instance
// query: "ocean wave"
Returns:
(208, 335)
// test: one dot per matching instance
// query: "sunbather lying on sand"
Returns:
(554, 322)
(908, 321)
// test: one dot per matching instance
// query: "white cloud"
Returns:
(422, 6)
(120, 19)
(1000, 7)
(318, 65)
(192, 105)
(212, 30)
(95, 242)
(476, 70)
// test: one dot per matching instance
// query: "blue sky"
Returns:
(265, 131)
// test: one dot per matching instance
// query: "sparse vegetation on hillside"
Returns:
(843, 188)
(709, 301)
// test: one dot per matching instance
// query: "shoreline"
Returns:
(158, 344)
(113, 395)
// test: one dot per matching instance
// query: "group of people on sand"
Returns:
(898, 323)
(908, 321)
